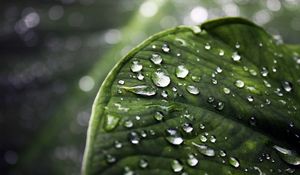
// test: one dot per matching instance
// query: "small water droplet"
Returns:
(210, 99)
(164, 94)
(203, 138)
(212, 139)
(239, 83)
(143, 163)
(222, 153)
(165, 48)
(264, 72)
(202, 126)
(250, 98)
(226, 90)
(156, 58)
(118, 144)
(287, 86)
(214, 81)
(158, 116)
(253, 72)
(234, 162)
(192, 90)
(205, 150)
(207, 46)
(187, 127)
(173, 137)
(221, 52)
(111, 122)
(181, 71)
(176, 166)
(192, 160)
(121, 82)
(220, 106)
(110, 159)
(128, 171)
(134, 138)
(235, 56)
(140, 76)
(237, 45)
(136, 66)
(219, 70)
(196, 78)
(128, 124)
(160, 79)
(143, 90)
(252, 121)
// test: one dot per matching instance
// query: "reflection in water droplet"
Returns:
(287, 86)
(187, 127)
(134, 138)
(165, 48)
(143, 90)
(181, 71)
(289, 156)
(234, 162)
(160, 79)
(136, 66)
(239, 83)
(173, 137)
(158, 116)
(143, 163)
(205, 150)
(176, 166)
(192, 160)
(192, 90)
(235, 56)
(156, 58)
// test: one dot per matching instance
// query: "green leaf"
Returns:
(222, 98)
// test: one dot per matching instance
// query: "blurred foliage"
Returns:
(55, 54)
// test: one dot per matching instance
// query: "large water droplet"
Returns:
(181, 71)
(160, 79)
(173, 137)
(287, 86)
(192, 160)
(136, 66)
(235, 56)
(205, 150)
(289, 156)
(234, 162)
(176, 166)
(134, 138)
(111, 122)
(158, 116)
(192, 90)
(156, 58)
(239, 83)
(143, 90)
(165, 48)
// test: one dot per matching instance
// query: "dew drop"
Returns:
(212, 139)
(239, 83)
(192, 90)
(136, 66)
(222, 153)
(158, 116)
(143, 90)
(118, 144)
(181, 71)
(220, 106)
(143, 163)
(214, 81)
(221, 52)
(203, 138)
(202, 126)
(111, 122)
(235, 56)
(156, 58)
(140, 76)
(164, 94)
(121, 82)
(187, 127)
(207, 46)
(160, 79)
(234, 162)
(192, 160)
(173, 137)
(128, 124)
(134, 138)
(210, 99)
(226, 90)
(250, 98)
(165, 48)
(205, 150)
(219, 70)
(253, 72)
(110, 159)
(176, 166)
(287, 155)
(264, 72)
(287, 86)
(237, 45)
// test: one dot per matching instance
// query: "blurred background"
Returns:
(54, 54)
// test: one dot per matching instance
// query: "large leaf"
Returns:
(222, 98)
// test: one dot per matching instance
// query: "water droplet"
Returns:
(234, 162)
(214, 81)
(164, 94)
(181, 71)
(121, 82)
(128, 124)
(203, 138)
(143, 163)
(176, 166)
(287, 86)
(212, 139)
(250, 98)
(252, 121)
(210, 99)
(235, 56)
(156, 58)
(192, 160)
(140, 76)
(289, 156)
(222, 153)
(136, 66)
(196, 78)
(221, 52)
(237, 45)
(110, 159)
(207, 46)
(264, 72)
(226, 90)
(187, 127)
(192, 90)
(205, 150)
(267, 84)
(134, 138)
(111, 122)
(174, 137)
(160, 79)
(253, 72)
(202, 126)
(239, 83)
(219, 70)
(128, 171)
(166, 48)
(143, 90)
(118, 144)
(158, 116)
